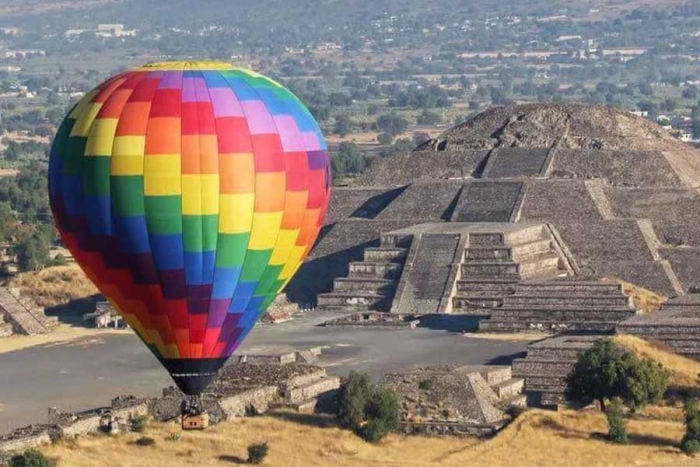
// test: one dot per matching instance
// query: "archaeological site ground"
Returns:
(467, 275)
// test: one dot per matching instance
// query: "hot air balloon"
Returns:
(189, 193)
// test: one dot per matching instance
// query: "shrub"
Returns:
(145, 441)
(257, 453)
(174, 436)
(426, 384)
(138, 424)
(617, 428)
(691, 440)
(606, 371)
(31, 458)
(370, 411)
(354, 392)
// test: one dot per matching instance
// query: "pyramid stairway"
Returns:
(494, 264)
(371, 283)
(23, 315)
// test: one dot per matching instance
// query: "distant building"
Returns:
(24, 53)
(12, 31)
(104, 316)
(103, 30)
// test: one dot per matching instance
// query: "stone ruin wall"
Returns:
(261, 398)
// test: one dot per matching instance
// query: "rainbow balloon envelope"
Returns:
(190, 193)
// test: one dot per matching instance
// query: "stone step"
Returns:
(476, 301)
(509, 388)
(487, 254)
(486, 239)
(523, 367)
(496, 374)
(483, 286)
(303, 380)
(525, 235)
(569, 287)
(22, 319)
(540, 266)
(352, 299)
(491, 269)
(381, 270)
(568, 300)
(494, 325)
(385, 254)
(353, 284)
(551, 399)
(396, 241)
(562, 316)
(517, 400)
(659, 329)
(311, 390)
(557, 353)
(533, 387)
(545, 381)
(526, 251)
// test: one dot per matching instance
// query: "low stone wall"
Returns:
(258, 400)
(82, 426)
(312, 390)
(21, 442)
(283, 380)
(447, 428)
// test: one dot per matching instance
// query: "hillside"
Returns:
(537, 438)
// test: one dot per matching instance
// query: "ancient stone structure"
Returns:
(613, 196)
(559, 306)
(455, 400)
(375, 320)
(240, 389)
(676, 326)
(547, 365)
(20, 315)
(105, 315)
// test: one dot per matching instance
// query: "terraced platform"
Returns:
(457, 400)
(547, 364)
(371, 283)
(560, 305)
(676, 326)
(494, 263)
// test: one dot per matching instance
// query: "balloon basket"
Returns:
(194, 417)
(195, 422)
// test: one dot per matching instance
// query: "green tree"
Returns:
(257, 453)
(31, 458)
(354, 392)
(385, 139)
(691, 440)
(343, 125)
(32, 251)
(392, 124)
(617, 428)
(370, 411)
(608, 370)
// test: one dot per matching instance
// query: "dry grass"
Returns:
(62, 334)
(537, 438)
(643, 300)
(55, 286)
(685, 371)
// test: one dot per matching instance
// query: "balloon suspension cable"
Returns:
(192, 405)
